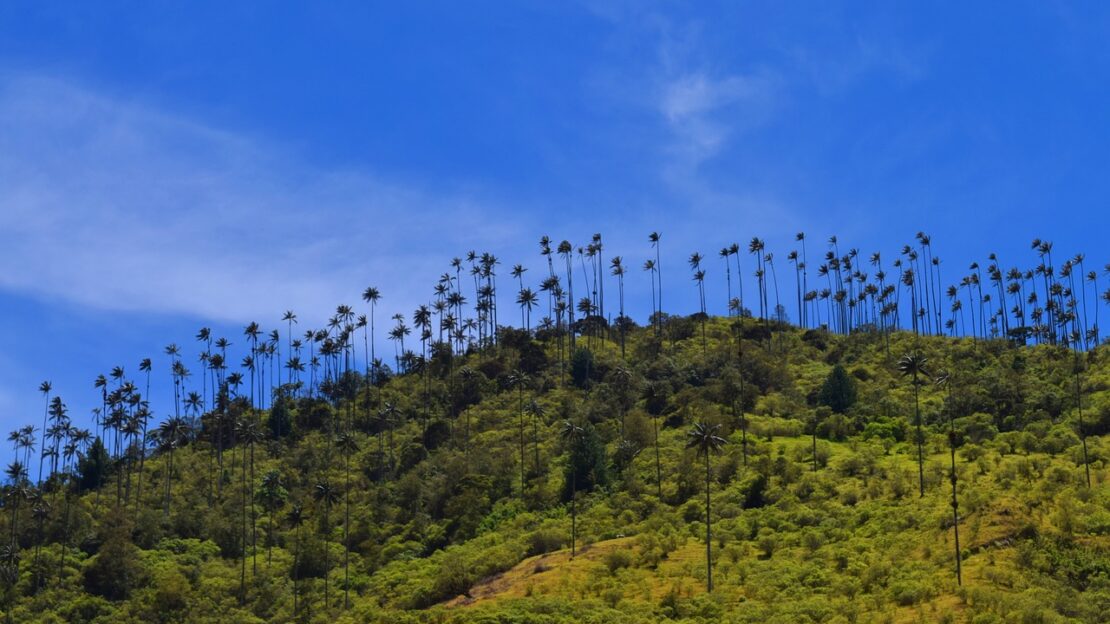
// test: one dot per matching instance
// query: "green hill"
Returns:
(402, 500)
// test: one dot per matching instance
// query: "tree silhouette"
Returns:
(327, 496)
(572, 434)
(944, 381)
(704, 440)
(912, 365)
(348, 445)
(296, 519)
(519, 379)
(271, 495)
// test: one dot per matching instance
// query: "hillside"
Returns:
(450, 492)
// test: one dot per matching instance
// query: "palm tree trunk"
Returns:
(920, 440)
(955, 503)
(1082, 431)
(346, 528)
(708, 531)
(658, 467)
(254, 523)
(573, 509)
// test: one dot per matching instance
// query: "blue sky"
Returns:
(167, 166)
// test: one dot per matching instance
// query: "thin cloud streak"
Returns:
(111, 204)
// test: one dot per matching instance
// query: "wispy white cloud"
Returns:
(114, 204)
(703, 111)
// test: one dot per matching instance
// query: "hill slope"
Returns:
(420, 475)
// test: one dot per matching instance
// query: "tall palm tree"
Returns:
(649, 265)
(655, 238)
(518, 273)
(944, 381)
(171, 434)
(572, 435)
(325, 494)
(536, 411)
(468, 377)
(1078, 369)
(801, 238)
(16, 491)
(519, 379)
(40, 511)
(617, 269)
(699, 279)
(250, 433)
(704, 440)
(271, 493)
(44, 388)
(755, 247)
(296, 519)
(565, 249)
(913, 365)
(348, 445)
(527, 300)
(145, 366)
(724, 254)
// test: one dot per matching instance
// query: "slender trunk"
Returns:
(296, 572)
(708, 531)
(327, 554)
(521, 409)
(573, 509)
(254, 523)
(920, 440)
(955, 503)
(658, 467)
(346, 529)
(1082, 431)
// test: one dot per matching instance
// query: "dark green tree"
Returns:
(839, 391)
(581, 367)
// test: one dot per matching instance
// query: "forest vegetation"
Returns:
(864, 447)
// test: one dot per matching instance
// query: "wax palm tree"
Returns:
(518, 273)
(565, 249)
(170, 435)
(655, 238)
(347, 445)
(1077, 367)
(724, 254)
(537, 412)
(572, 435)
(519, 379)
(527, 300)
(617, 269)
(704, 440)
(44, 388)
(388, 416)
(801, 238)
(468, 377)
(145, 366)
(649, 265)
(794, 259)
(271, 494)
(296, 519)
(755, 247)
(699, 279)
(40, 511)
(15, 492)
(326, 495)
(250, 433)
(913, 365)
(944, 381)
